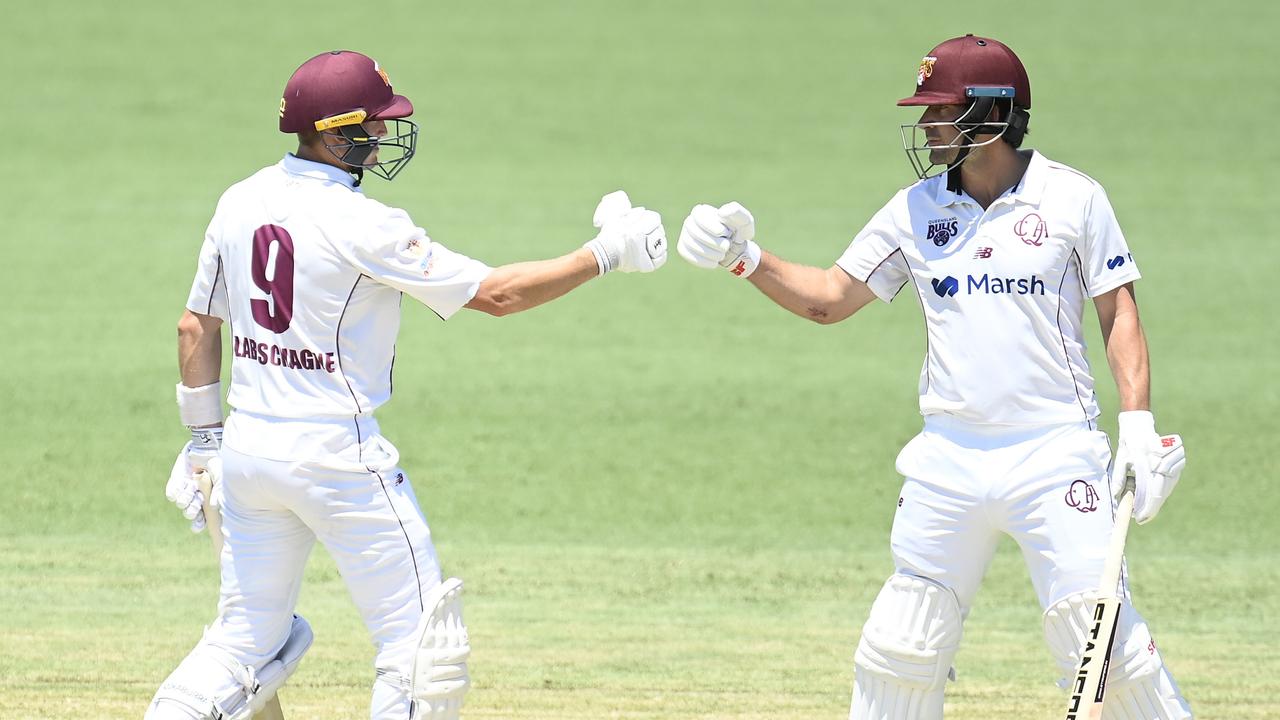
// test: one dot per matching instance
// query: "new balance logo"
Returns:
(946, 287)
(982, 254)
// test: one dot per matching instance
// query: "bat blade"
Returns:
(1090, 683)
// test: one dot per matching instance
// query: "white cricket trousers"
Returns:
(371, 524)
(1046, 487)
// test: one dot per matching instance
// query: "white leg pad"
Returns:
(211, 685)
(904, 657)
(1139, 687)
(439, 679)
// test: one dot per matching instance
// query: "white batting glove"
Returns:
(723, 236)
(631, 239)
(200, 454)
(1156, 463)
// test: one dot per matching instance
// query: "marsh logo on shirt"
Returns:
(1082, 496)
(946, 287)
(1116, 262)
(988, 284)
(942, 230)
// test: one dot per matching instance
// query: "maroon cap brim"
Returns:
(400, 107)
(931, 98)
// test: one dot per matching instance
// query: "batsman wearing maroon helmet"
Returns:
(1002, 247)
(307, 274)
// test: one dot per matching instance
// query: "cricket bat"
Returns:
(1090, 682)
(213, 520)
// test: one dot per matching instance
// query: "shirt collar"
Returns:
(295, 165)
(1028, 190)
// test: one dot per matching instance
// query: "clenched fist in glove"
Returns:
(723, 237)
(183, 489)
(630, 239)
(1155, 461)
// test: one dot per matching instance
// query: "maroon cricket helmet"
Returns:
(336, 84)
(950, 72)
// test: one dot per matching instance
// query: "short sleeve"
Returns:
(875, 257)
(208, 294)
(399, 254)
(1104, 255)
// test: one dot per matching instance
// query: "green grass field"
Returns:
(668, 498)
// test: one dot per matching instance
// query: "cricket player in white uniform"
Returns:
(308, 273)
(1001, 247)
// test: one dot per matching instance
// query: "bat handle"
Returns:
(212, 518)
(1119, 535)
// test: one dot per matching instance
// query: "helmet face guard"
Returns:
(982, 75)
(358, 147)
(338, 94)
(971, 123)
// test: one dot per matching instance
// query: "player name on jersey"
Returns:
(290, 358)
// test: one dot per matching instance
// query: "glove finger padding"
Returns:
(1167, 461)
(708, 218)
(182, 491)
(699, 246)
(740, 220)
(611, 206)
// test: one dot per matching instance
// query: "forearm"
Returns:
(199, 349)
(823, 296)
(520, 286)
(1127, 356)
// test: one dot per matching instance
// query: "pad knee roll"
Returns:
(904, 656)
(439, 679)
(1138, 685)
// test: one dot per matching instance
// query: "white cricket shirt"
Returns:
(308, 273)
(1002, 289)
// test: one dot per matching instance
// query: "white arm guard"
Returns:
(200, 406)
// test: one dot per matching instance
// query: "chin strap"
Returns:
(953, 171)
(358, 172)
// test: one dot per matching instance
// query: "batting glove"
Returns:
(723, 236)
(631, 239)
(1156, 463)
(182, 488)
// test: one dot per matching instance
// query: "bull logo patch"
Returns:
(942, 230)
(1032, 230)
(1082, 496)
(926, 69)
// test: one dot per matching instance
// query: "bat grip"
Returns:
(212, 518)
(1119, 534)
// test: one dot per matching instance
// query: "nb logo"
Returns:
(946, 287)
(1082, 497)
(1115, 262)
(982, 254)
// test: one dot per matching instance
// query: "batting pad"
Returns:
(1138, 685)
(904, 657)
(439, 679)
